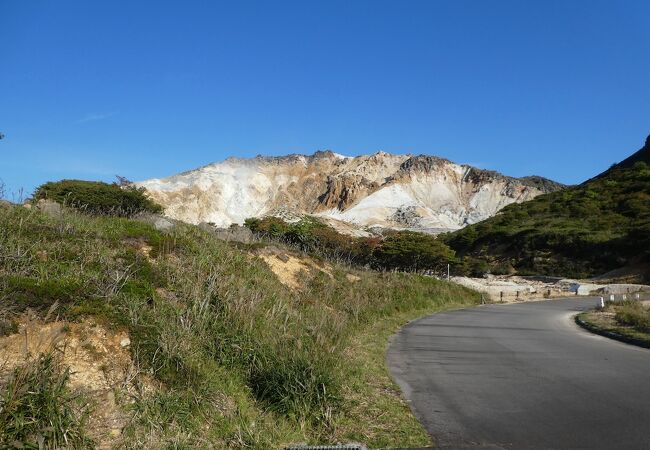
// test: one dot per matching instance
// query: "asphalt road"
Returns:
(523, 376)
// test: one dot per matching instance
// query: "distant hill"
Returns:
(598, 226)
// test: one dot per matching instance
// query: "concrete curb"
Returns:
(611, 334)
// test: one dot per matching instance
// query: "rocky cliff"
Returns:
(392, 191)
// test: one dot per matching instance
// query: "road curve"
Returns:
(523, 376)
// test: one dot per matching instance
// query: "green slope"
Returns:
(585, 230)
(233, 357)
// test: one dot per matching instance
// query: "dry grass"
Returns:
(630, 319)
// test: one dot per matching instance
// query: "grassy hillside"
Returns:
(228, 357)
(585, 230)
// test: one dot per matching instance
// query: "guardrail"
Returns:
(617, 298)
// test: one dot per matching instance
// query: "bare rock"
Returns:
(163, 224)
(49, 207)
(159, 222)
(235, 233)
(408, 216)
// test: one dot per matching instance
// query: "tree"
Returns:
(408, 250)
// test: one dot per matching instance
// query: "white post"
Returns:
(611, 298)
(602, 302)
(624, 297)
(447, 271)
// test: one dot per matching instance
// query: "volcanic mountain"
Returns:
(385, 190)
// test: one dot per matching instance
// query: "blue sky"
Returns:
(148, 89)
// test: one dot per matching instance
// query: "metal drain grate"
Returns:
(327, 447)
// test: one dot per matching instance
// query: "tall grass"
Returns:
(38, 410)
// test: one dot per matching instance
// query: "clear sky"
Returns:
(90, 89)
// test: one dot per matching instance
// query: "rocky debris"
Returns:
(619, 289)
(500, 288)
(286, 214)
(513, 288)
(407, 216)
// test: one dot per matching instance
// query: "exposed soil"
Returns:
(99, 361)
(291, 269)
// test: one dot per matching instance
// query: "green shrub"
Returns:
(400, 250)
(98, 198)
(272, 226)
(407, 250)
(297, 385)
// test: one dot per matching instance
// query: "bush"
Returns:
(407, 250)
(634, 315)
(400, 250)
(98, 198)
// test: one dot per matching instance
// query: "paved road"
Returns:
(523, 376)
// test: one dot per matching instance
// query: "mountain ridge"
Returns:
(366, 190)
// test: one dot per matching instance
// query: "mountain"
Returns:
(600, 225)
(386, 190)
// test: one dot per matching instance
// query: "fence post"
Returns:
(602, 302)
(501, 295)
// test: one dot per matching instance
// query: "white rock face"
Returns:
(392, 191)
